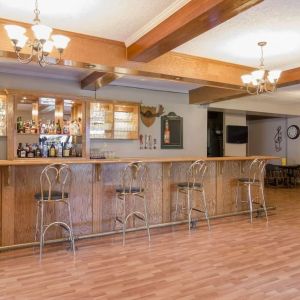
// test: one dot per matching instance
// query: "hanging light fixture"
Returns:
(43, 43)
(261, 81)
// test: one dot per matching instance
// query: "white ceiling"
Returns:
(274, 21)
(112, 19)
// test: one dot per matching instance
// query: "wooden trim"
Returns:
(207, 94)
(97, 199)
(166, 192)
(8, 206)
(193, 19)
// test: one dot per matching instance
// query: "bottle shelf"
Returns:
(48, 134)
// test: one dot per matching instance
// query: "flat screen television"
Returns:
(237, 134)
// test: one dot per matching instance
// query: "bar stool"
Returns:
(255, 178)
(55, 182)
(194, 183)
(133, 186)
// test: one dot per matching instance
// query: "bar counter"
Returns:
(36, 161)
(93, 191)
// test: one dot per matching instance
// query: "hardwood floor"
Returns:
(236, 260)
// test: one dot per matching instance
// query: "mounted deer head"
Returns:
(149, 113)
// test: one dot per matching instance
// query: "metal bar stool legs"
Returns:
(54, 180)
(133, 178)
(194, 184)
(255, 179)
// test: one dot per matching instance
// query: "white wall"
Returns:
(194, 117)
(234, 149)
(261, 138)
(293, 146)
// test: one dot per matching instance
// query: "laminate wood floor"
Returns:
(236, 260)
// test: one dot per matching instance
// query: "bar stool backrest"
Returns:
(134, 177)
(257, 170)
(195, 173)
(55, 178)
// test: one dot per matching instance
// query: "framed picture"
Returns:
(171, 131)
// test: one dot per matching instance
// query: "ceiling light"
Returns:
(261, 81)
(42, 44)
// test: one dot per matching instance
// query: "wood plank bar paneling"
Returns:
(8, 206)
(93, 194)
(166, 192)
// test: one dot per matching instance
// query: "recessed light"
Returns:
(90, 66)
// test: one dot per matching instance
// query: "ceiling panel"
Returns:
(112, 19)
(275, 21)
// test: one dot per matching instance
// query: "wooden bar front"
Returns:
(93, 192)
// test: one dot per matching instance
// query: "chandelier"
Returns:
(42, 44)
(261, 81)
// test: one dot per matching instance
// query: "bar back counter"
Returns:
(93, 191)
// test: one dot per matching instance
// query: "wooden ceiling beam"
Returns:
(96, 80)
(193, 19)
(208, 94)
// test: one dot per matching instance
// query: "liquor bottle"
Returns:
(65, 128)
(38, 151)
(22, 153)
(59, 150)
(45, 150)
(19, 150)
(167, 133)
(52, 152)
(66, 151)
(27, 127)
(30, 153)
(52, 128)
(154, 144)
(19, 124)
(26, 148)
(33, 128)
(58, 128)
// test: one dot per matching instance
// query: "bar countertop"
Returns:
(44, 161)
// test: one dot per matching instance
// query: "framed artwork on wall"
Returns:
(171, 131)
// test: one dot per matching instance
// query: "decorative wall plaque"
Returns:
(171, 131)
(149, 113)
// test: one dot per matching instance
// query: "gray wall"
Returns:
(194, 117)
(293, 146)
(261, 137)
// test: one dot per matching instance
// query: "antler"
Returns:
(149, 114)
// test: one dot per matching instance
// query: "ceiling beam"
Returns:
(289, 77)
(207, 94)
(193, 19)
(96, 80)
(109, 56)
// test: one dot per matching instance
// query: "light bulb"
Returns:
(246, 79)
(21, 42)
(41, 32)
(258, 74)
(271, 79)
(275, 74)
(47, 47)
(14, 32)
(60, 41)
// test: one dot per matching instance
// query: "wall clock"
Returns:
(293, 132)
